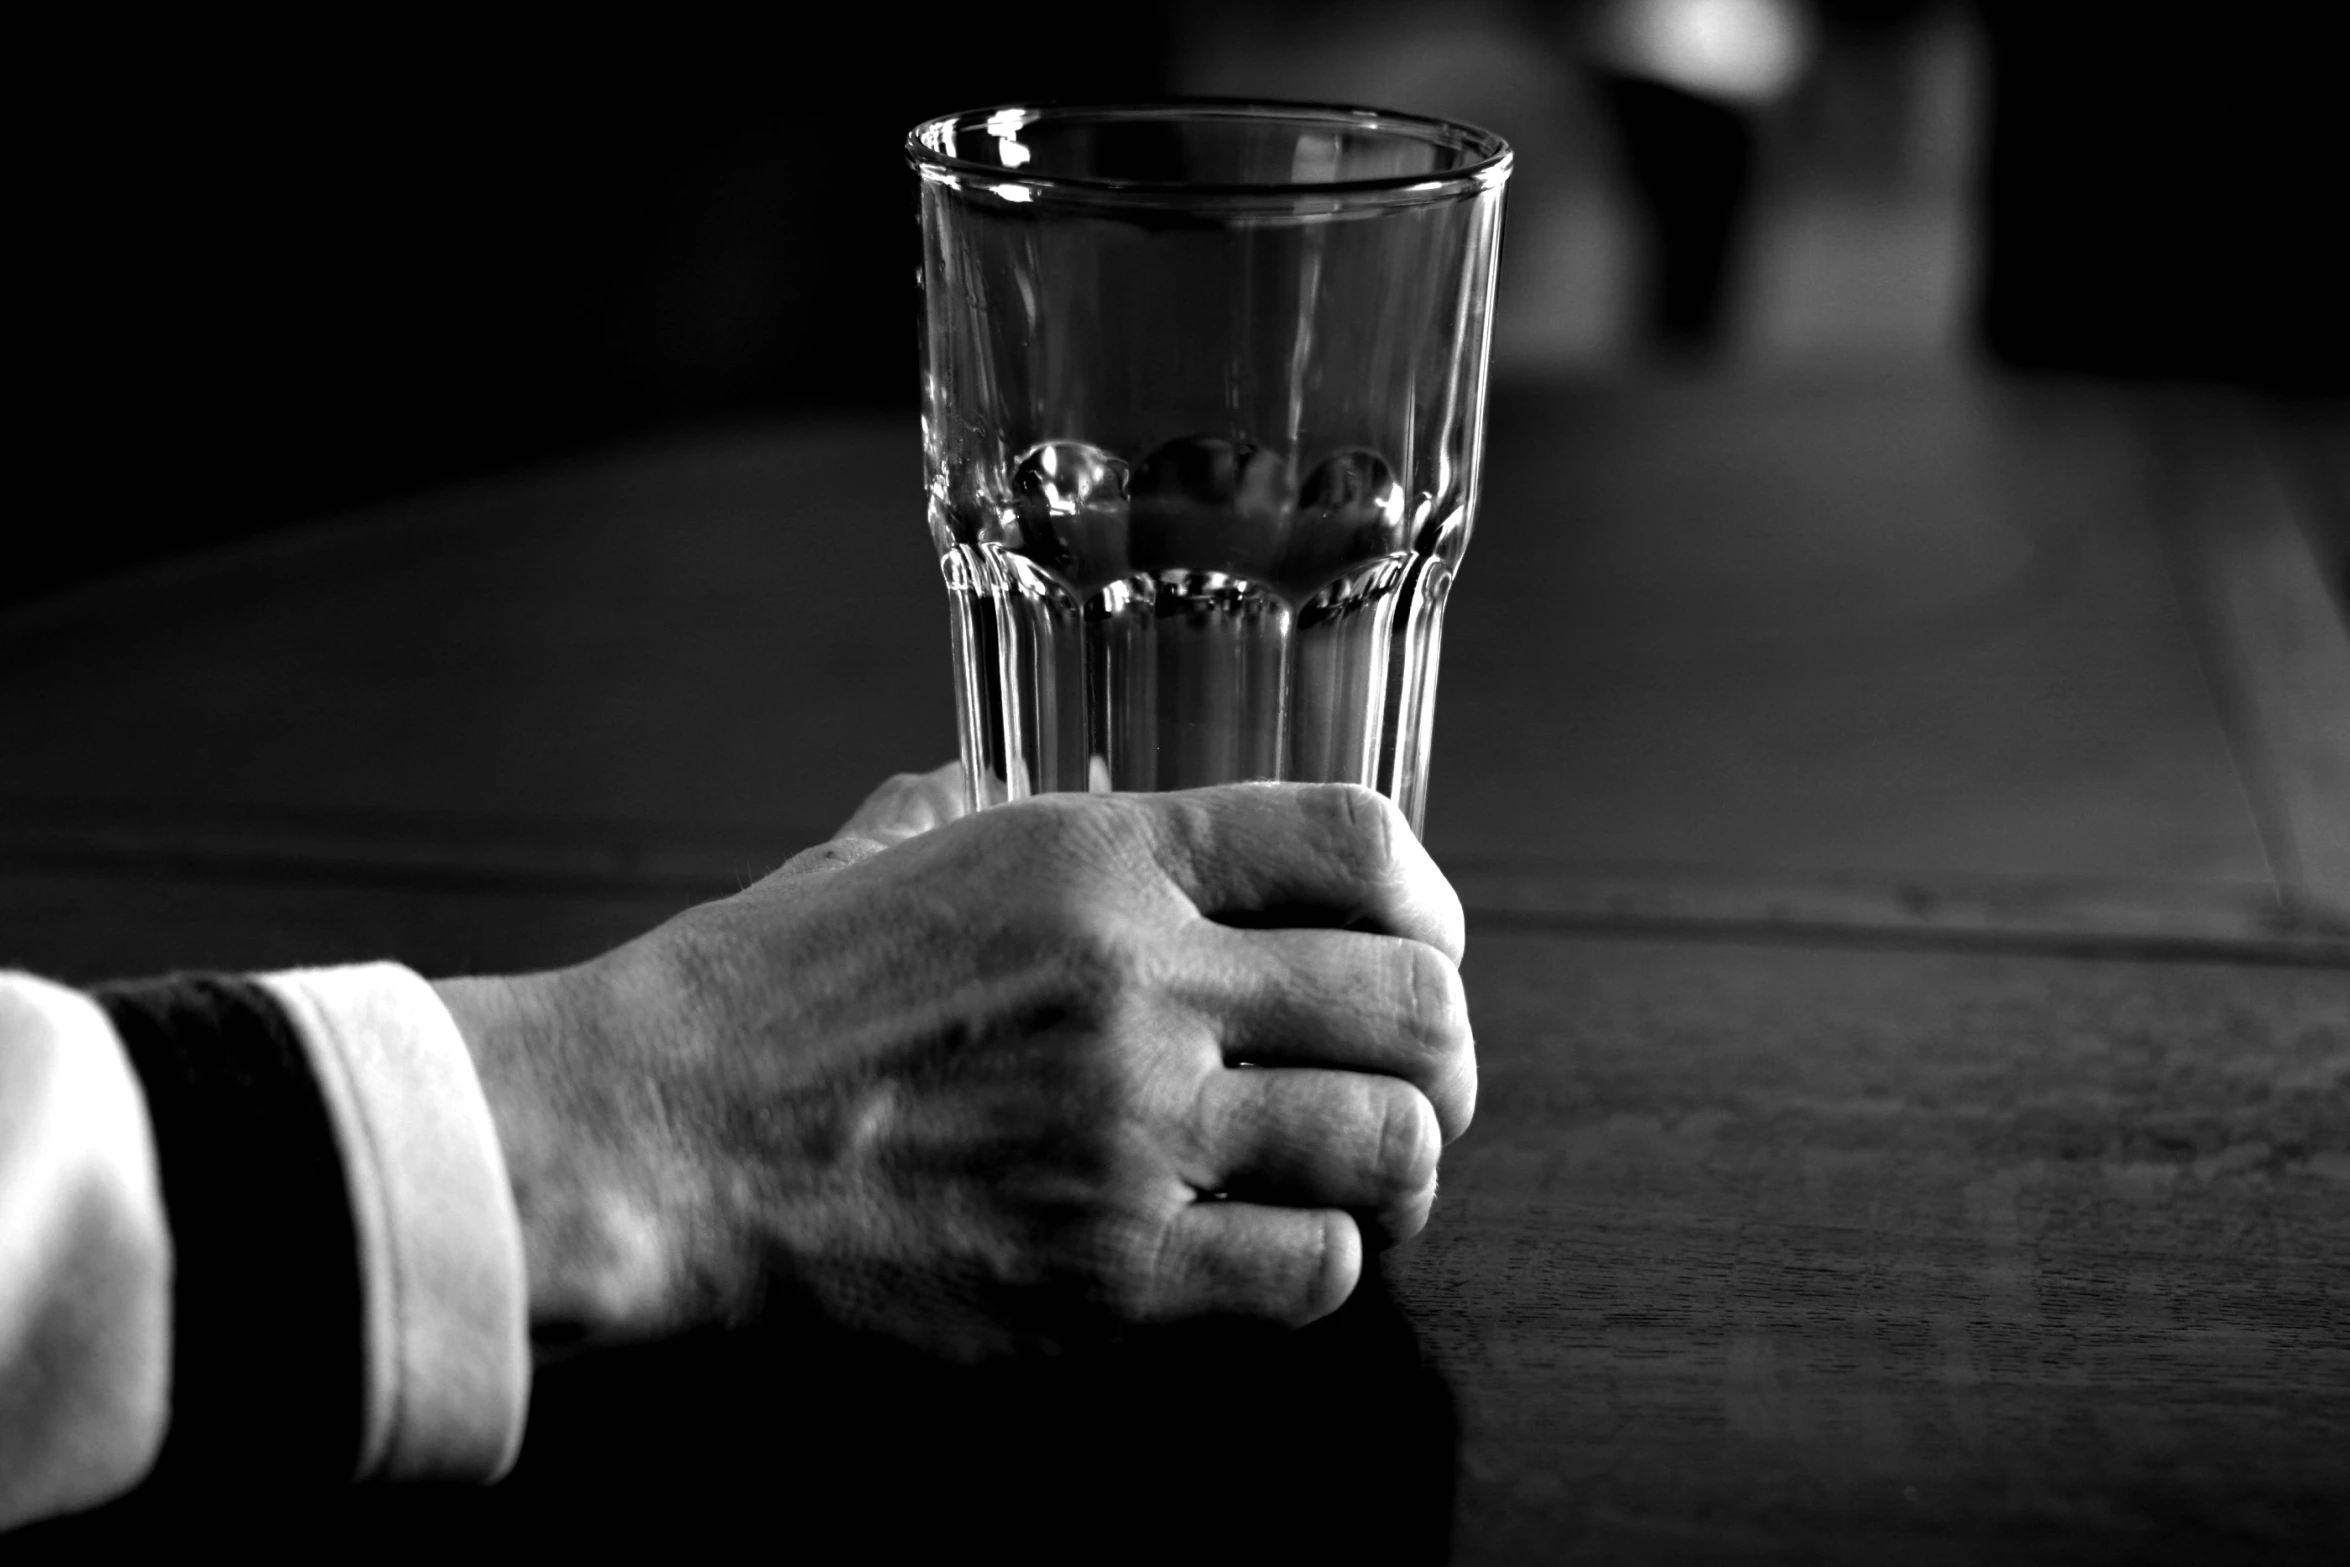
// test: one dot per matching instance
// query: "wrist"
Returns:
(594, 1258)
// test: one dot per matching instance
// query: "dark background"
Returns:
(275, 272)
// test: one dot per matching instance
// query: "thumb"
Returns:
(906, 806)
(909, 804)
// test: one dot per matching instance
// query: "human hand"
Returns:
(1028, 1077)
(905, 806)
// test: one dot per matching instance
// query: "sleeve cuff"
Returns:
(443, 1294)
(85, 1260)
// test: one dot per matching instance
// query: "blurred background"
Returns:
(279, 271)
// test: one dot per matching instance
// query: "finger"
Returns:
(1345, 999)
(1287, 1265)
(1313, 1139)
(1303, 854)
(908, 804)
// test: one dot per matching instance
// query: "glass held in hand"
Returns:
(1204, 392)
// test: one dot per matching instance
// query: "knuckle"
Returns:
(1460, 1092)
(1105, 843)
(1211, 1120)
(1437, 1005)
(1366, 822)
(1036, 829)
(1041, 818)
(1433, 998)
(1451, 920)
(1172, 832)
(1409, 1139)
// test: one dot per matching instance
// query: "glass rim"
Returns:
(1491, 156)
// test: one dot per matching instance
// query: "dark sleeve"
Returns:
(267, 1362)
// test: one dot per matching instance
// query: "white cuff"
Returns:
(447, 1335)
(85, 1260)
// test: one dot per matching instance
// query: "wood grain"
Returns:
(1840, 1255)
(2241, 922)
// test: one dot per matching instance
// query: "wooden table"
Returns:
(1906, 832)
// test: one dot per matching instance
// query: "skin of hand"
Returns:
(991, 1082)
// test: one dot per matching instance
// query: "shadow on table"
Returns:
(1210, 1443)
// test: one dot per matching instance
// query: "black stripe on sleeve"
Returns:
(267, 1368)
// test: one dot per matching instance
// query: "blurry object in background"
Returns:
(1746, 52)
(1863, 234)
(1692, 162)
(2317, 442)
(1757, 184)
(2125, 190)
(2166, 192)
(1568, 260)
(1686, 79)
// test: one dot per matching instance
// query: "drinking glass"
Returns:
(1204, 398)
